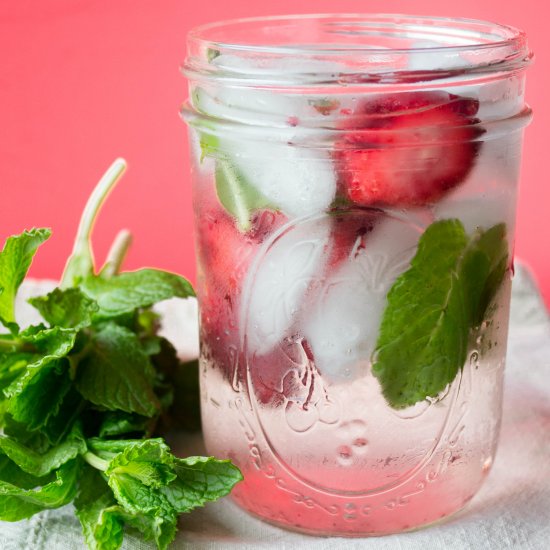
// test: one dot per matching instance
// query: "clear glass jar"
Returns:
(355, 185)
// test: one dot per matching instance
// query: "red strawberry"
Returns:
(407, 149)
(348, 234)
(224, 255)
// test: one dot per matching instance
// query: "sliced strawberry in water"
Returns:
(348, 234)
(225, 255)
(407, 149)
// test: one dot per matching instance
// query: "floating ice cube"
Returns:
(275, 288)
(298, 181)
(342, 326)
(249, 105)
(476, 213)
(501, 99)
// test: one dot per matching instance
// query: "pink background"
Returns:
(85, 81)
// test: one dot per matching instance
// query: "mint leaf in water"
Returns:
(431, 308)
(15, 260)
(239, 198)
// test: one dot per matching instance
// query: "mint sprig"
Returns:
(433, 308)
(81, 393)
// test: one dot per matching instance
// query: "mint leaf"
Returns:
(160, 527)
(68, 308)
(237, 196)
(36, 394)
(199, 480)
(119, 423)
(38, 464)
(432, 307)
(117, 374)
(12, 365)
(22, 495)
(52, 343)
(128, 291)
(15, 260)
(96, 510)
(148, 461)
(99, 368)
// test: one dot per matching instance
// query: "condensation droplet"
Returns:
(487, 464)
(345, 455)
(360, 444)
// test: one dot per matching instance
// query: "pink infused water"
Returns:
(354, 226)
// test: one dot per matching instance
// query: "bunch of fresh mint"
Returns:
(82, 393)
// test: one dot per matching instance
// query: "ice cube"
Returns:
(278, 281)
(296, 180)
(342, 326)
(476, 213)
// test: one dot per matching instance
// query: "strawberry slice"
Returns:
(224, 255)
(407, 149)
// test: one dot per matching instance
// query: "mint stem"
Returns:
(9, 345)
(95, 461)
(117, 253)
(81, 261)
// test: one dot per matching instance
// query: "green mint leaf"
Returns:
(68, 308)
(239, 198)
(211, 54)
(15, 260)
(117, 374)
(432, 307)
(160, 527)
(41, 464)
(96, 510)
(137, 498)
(128, 291)
(120, 423)
(60, 423)
(12, 365)
(52, 343)
(22, 495)
(11, 326)
(148, 461)
(37, 393)
(152, 486)
(184, 413)
(200, 479)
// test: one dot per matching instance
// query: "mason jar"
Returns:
(354, 189)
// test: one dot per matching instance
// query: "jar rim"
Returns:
(459, 45)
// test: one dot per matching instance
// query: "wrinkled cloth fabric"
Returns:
(512, 509)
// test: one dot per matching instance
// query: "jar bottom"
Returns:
(328, 533)
(373, 516)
